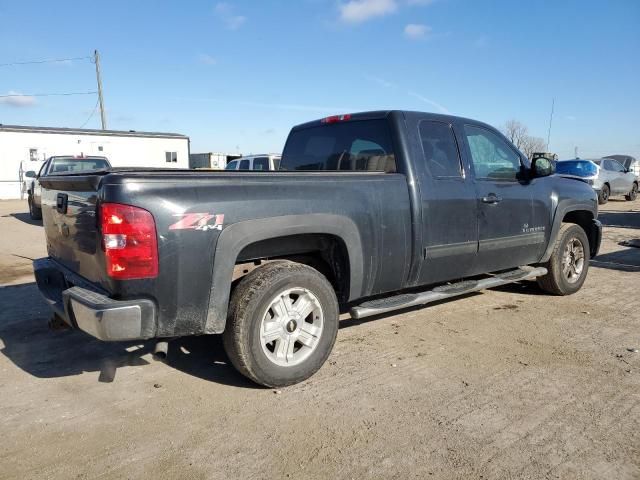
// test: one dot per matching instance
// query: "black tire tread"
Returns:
(551, 282)
(237, 328)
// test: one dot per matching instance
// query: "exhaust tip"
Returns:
(161, 350)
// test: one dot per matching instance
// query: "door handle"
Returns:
(492, 199)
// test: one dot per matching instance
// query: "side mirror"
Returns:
(542, 167)
(30, 174)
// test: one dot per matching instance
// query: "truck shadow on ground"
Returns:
(24, 218)
(26, 340)
(619, 219)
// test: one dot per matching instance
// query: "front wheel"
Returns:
(282, 323)
(567, 268)
(633, 194)
(34, 212)
(603, 197)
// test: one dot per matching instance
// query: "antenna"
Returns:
(553, 101)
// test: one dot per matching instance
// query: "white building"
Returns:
(25, 148)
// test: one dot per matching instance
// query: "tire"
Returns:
(257, 314)
(567, 278)
(603, 196)
(633, 194)
(34, 212)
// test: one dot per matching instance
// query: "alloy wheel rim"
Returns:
(573, 260)
(291, 327)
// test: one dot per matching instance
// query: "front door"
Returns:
(507, 234)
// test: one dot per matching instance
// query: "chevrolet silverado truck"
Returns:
(369, 213)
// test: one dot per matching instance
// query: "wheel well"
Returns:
(584, 218)
(326, 253)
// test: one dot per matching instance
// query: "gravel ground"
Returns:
(507, 383)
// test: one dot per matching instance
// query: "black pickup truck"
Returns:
(369, 213)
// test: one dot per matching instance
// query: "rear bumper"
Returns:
(83, 306)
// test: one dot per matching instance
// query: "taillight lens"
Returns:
(129, 241)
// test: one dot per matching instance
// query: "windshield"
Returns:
(352, 145)
(72, 165)
(579, 168)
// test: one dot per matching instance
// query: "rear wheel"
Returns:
(633, 194)
(604, 195)
(282, 324)
(34, 212)
(568, 265)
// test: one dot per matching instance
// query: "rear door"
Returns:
(508, 232)
(449, 209)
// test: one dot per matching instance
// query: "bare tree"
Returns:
(516, 132)
(530, 145)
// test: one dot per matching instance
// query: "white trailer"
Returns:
(24, 148)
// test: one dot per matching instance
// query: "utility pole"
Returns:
(96, 59)
(553, 101)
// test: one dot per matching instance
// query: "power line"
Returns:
(65, 94)
(92, 113)
(51, 60)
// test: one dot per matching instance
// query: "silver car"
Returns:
(607, 176)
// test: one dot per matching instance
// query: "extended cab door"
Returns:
(511, 229)
(449, 209)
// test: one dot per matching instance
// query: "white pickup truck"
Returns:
(59, 165)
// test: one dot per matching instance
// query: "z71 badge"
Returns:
(198, 221)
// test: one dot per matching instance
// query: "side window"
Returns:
(244, 165)
(440, 149)
(231, 165)
(492, 157)
(261, 163)
(618, 166)
(171, 157)
(33, 154)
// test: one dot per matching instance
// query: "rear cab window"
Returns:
(358, 145)
(440, 150)
(65, 165)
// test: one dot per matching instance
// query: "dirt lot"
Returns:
(507, 383)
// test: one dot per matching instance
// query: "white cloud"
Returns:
(415, 31)
(430, 102)
(226, 13)
(17, 100)
(358, 11)
(380, 81)
(206, 59)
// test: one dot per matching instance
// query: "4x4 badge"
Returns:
(198, 221)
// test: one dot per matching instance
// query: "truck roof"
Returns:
(377, 114)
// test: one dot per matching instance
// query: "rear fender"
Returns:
(236, 237)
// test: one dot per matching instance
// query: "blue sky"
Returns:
(236, 75)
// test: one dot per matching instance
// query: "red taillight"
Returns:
(336, 118)
(129, 241)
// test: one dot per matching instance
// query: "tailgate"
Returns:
(70, 223)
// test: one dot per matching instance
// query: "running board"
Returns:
(406, 300)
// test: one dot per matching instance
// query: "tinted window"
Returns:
(440, 149)
(261, 163)
(71, 165)
(171, 157)
(357, 145)
(244, 165)
(492, 157)
(231, 165)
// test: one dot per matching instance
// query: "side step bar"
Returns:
(406, 300)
